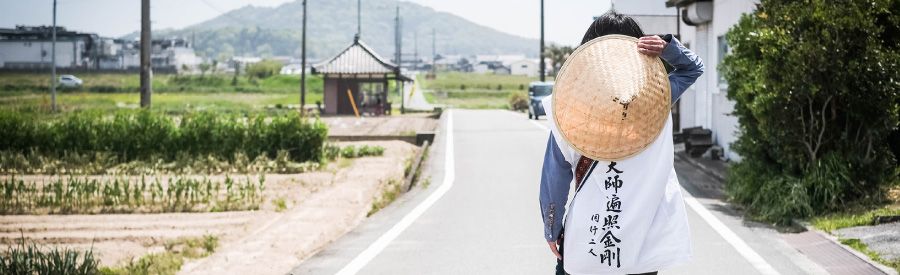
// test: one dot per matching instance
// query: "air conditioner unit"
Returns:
(697, 13)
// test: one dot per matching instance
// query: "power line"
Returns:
(223, 13)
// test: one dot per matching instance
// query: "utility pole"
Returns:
(53, 65)
(358, 19)
(416, 49)
(543, 66)
(146, 70)
(303, 64)
(398, 40)
(433, 53)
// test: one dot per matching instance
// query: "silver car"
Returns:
(69, 81)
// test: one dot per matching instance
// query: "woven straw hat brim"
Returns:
(609, 101)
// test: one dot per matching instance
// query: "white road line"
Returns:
(376, 247)
(542, 126)
(748, 253)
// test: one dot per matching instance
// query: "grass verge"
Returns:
(875, 256)
(835, 221)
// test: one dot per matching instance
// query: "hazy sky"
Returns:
(565, 20)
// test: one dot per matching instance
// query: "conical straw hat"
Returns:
(609, 101)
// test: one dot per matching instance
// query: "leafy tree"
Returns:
(185, 68)
(203, 68)
(264, 69)
(816, 93)
(557, 56)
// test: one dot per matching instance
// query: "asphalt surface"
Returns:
(488, 221)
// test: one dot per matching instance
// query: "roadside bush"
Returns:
(518, 101)
(816, 94)
(264, 69)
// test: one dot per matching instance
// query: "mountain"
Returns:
(331, 25)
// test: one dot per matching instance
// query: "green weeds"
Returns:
(280, 204)
(71, 195)
(170, 261)
(388, 195)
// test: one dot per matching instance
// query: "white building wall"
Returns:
(481, 69)
(706, 103)
(524, 67)
(725, 126)
(37, 53)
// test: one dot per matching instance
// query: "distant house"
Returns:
(28, 47)
(528, 67)
(501, 70)
(481, 68)
(172, 54)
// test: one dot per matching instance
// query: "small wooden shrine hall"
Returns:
(357, 77)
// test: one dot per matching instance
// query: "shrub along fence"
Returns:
(143, 134)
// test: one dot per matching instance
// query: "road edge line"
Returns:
(736, 242)
(382, 242)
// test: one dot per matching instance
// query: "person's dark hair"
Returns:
(612, 22)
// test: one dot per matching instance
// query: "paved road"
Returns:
(488, 221)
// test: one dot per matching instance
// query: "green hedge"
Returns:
(143, 134)
(816, 95)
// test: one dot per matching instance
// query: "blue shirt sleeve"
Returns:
(556, 177)
(688, 66)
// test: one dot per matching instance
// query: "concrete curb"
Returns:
(408, 182)
(719, 176)
(834, 239)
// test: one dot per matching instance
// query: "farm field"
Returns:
(321, 204)
(171, 93)
(474, 91)
(220, 173)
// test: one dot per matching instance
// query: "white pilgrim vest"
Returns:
(626, 218)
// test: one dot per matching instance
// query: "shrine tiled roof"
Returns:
(358, 58)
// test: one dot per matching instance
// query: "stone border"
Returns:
(407, 183)
(834, 240)
(417, 139)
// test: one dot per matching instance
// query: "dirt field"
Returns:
(322, 206)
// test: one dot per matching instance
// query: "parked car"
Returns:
(69, 81)
(537, 91)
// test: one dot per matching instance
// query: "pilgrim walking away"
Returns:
(611, 133)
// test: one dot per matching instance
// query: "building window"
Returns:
(723, 50)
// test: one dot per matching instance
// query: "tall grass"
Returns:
(27, 259)
(143, 134)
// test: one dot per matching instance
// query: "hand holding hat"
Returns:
(652, 46)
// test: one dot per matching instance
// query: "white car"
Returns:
(69, 80)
